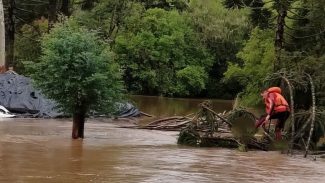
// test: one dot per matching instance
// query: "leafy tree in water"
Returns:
(154, 48)
(78, 72)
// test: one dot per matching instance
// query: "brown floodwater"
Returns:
(40, 150)
(161, 107)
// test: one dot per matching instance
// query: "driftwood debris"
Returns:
(234, 129)
(174, 123)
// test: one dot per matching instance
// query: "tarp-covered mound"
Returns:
(127, 110)
(19, 96)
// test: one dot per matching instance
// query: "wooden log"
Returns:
(219, 116)
(145, 114)
(164, 119)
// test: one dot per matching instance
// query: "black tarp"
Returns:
(19, 96)
(127, 109)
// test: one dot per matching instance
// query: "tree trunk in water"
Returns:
(65, 8)
(2, 39)
(78, 125)
(279, 38)
(10, 38)
(52, 13)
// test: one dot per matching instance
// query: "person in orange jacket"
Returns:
(276, 108)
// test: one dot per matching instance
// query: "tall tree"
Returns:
(88, 4)
(18, 13)
(2, 37)
(108, 16)
(65, 7)
(52, 14)
(281, 7)
(259, 15)
(10, 34)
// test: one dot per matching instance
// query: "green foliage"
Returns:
(27, 36)
(183, 48)
(153, 36)
(77, 70)
(258, 56)
(154, 48)
(312, 65)
(307, 27)
(109, 16)
(218, 26)
(27, 11)
(223, 32)
(192, 80)
(165, 4)
(259, 15)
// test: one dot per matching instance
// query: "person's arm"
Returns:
(271, 102)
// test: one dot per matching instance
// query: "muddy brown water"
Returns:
(40, 150)
(161, 107)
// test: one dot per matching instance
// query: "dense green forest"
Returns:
(183, 48)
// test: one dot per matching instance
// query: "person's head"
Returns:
(264, 94)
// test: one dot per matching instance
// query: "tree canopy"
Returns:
(158, 49)
(185, 48)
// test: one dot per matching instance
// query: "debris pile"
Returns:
(234, 129)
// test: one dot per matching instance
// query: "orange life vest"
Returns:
(280, 104)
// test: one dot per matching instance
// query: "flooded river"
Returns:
(40, 150)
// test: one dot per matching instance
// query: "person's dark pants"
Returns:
(281, 119)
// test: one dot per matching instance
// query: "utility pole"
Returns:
(2, 39)
(10, 33)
